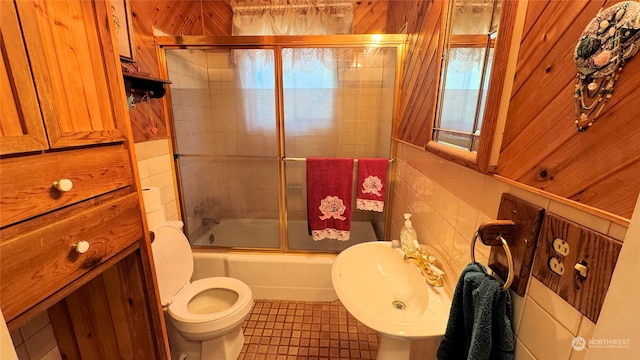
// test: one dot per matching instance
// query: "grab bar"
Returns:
(501, 223)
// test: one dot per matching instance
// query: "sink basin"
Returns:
(389, 296)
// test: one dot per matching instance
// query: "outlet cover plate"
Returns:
(598, 252)
(522, 243)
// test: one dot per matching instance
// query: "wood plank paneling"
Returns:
(593, 167)
(370, 16)
(144, 114)
(106, 318)
(541, 146)
(421, 69)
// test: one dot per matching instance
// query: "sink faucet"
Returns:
(433, 275)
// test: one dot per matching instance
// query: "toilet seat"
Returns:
(179, 308)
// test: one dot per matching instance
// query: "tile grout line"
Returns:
(279, 329)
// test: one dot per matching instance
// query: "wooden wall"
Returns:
(421, 68)
(541, 146)
(202, 17)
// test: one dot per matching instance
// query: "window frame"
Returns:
(498, 94)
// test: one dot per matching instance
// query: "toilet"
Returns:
(204, 317)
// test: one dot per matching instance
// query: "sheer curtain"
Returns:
(309, 74)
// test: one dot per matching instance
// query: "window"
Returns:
(465, 75)
(309, 81)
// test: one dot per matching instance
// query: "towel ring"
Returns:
(505, 246)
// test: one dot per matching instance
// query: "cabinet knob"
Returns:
(63, 185)
(82, 247)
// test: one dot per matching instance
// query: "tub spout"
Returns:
(210, 221)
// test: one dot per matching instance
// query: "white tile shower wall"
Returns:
(35, 340)
(154, 168)
(449, 202)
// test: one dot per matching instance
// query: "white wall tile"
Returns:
(53, 354)
(591, 221)
(491, 194)
(617, 232)
(141, 151)
(454, 174)
(518, 307)
(522, 353)
(450, 208)
(556, 306)
(22, 353)
(466, 220)
(545, 337)
(34, 325)
(41, 343)
(530, 197)
(460, 251)
(585, 331)
(472, 187)
(16, 337)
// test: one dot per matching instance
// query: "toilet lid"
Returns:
(173, 261)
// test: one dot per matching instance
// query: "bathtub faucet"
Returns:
(210, 221)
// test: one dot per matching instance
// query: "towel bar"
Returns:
(509, 280)
(305, 159)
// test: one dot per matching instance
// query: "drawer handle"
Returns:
(63, 185)
(82, 247)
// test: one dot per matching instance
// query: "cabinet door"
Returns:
(21, 127)
(74, 65)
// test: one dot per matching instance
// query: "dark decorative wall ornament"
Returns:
(612, 37)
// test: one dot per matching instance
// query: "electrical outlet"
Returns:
(560, 246)
(576, 263)
(556, 266)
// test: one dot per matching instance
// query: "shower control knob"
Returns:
(63, 185)
(82, 247)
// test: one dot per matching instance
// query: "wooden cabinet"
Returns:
(70, 50)
(72, 237)
(22, 127)
(106, 229)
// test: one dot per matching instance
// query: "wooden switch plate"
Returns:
(576, 244)
(522, 242)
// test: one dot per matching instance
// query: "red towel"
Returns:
(372, 184)
(329, 183)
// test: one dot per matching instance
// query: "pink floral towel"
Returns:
(329, 183)
(372, 184)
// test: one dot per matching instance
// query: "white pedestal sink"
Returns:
(389, 296)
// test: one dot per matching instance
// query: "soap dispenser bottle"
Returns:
(408, 236)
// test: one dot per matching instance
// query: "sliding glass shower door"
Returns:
(338, 103)
(246, 117)
(225, 138)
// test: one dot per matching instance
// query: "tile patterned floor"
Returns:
(293, 330)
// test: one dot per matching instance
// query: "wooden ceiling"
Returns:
(213, 17)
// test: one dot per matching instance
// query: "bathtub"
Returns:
(274, 276)
(264, 233)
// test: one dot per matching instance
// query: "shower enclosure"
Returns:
(248, 111)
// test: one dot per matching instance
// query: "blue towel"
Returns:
(479, 325)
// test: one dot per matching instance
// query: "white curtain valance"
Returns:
(292, 17)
